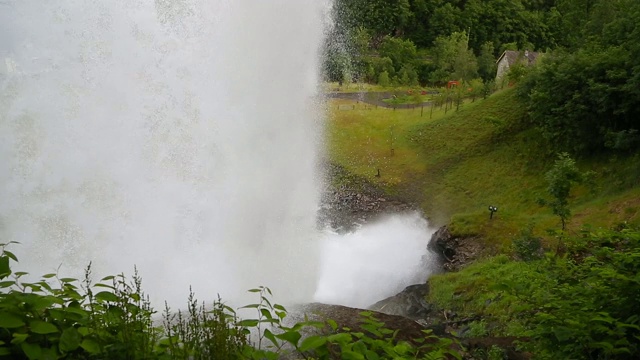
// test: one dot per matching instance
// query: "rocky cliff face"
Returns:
(343, 208)
(349, 200)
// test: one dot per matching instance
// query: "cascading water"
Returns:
(181, 136)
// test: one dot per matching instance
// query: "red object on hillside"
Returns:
(452, 83)
(423, 92)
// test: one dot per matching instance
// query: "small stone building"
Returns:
(510, 57)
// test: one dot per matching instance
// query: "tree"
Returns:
(338, 63)
(361, 40)
(476, 88)
(453, 59)
(383, 64)
(381, 17)
(487, 62)
(465, 65)
(383, 79)
(488, 88)
(408, 76)
(576, 99)
(561, 177)
(517, 71)
(445, 20)
(401, 52)
(513, 46)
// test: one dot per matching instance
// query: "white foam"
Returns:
(374, 262)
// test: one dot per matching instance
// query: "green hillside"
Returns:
(457, 164)
(552, 294)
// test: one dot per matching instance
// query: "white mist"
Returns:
(378, 260)
(181, 137)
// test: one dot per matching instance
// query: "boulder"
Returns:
(411, 303)
(455, 251)
(351, 318)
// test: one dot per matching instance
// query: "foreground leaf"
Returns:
(10, 321)
(33, 351)
(290, 336)
(70, 340)
(90, 346)
(312, 342)
(41, 327)
(5, 269)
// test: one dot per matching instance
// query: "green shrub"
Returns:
(477, 329)
(112, 319)
(581, 304)
(528, 247)
(383, 79)
(60, 318)
(496, 353)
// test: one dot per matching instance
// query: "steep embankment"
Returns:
(456, 164)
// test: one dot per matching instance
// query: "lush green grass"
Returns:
(362, 140)
(362, 136)
(457, 164)
(474, 292)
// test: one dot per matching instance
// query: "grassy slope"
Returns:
(459, 163)
(455, 166)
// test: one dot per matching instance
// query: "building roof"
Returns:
(513, 56)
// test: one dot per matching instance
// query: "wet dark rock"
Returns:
(408, 329)
(410, 303)
(455, 251)
(347, 317)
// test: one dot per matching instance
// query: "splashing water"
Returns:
(375, 262)
(180, 136)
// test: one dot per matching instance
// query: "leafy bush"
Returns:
(527, 247)
(578, 100)
(60, 318)
(477, 329)
(383, 79)
(582, 304)
(560, 178)
(593, 309)
(113, 319)
(625, 140)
